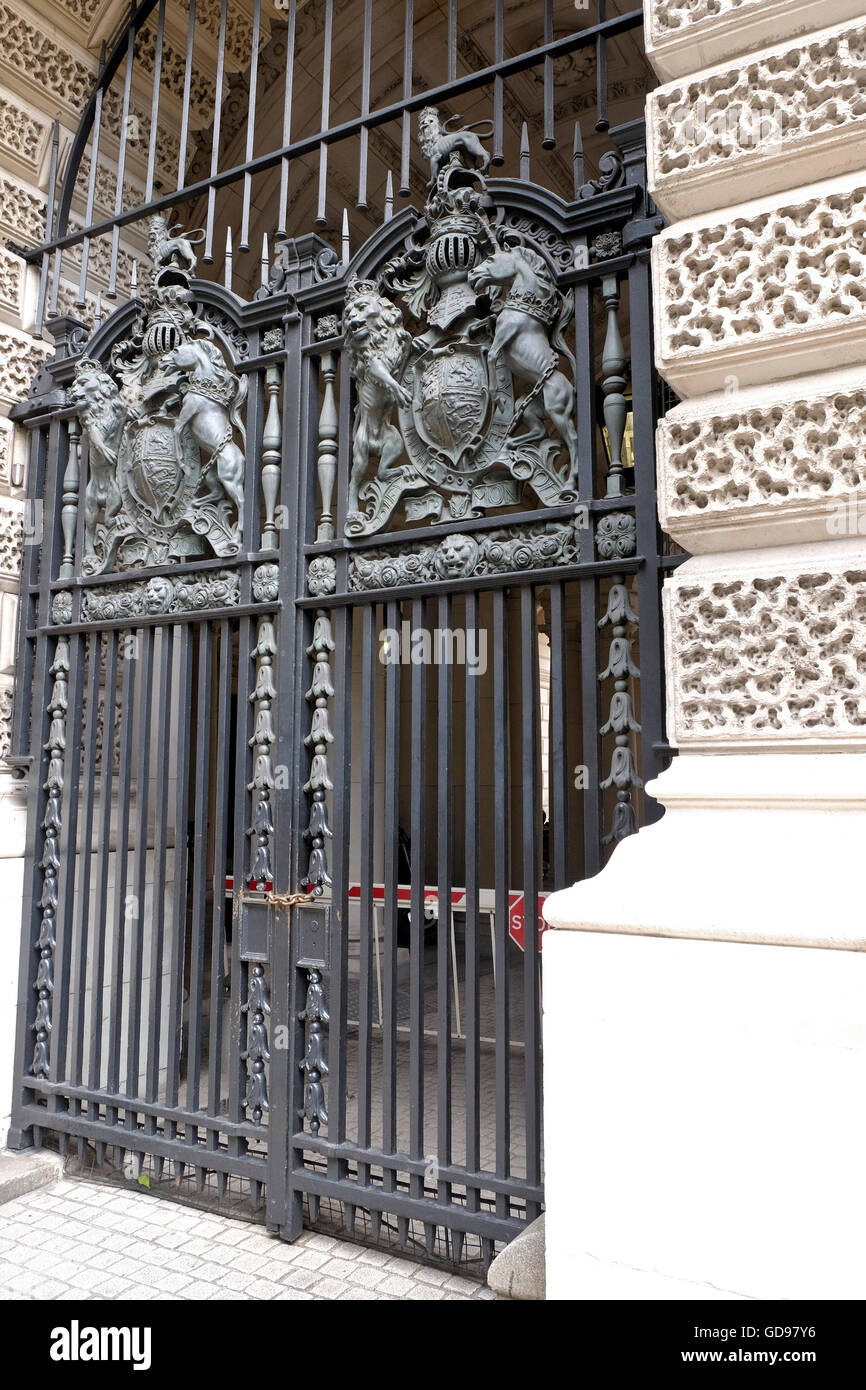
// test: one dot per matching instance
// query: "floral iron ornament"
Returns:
(460, 416)
(162, 424)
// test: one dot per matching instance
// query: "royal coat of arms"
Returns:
(463, 413)
(162, 425)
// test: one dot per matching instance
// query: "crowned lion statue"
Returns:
(378, 347)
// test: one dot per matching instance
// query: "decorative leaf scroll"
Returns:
(459, 555)
(313, 1064)
(621, 721)
(319, 783)
(50, 861)
(262, 784)
(256, 1055)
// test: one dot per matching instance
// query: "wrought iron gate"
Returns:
(341, 649)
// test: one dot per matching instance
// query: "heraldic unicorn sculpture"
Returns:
(459, 415)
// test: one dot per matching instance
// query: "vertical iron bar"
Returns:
(198, 867)
(342, 620)
(531, 808)
(322, 201)
(91, 182)
(391, 829)
(243, 727)
(365, 103)
(602, 123)
(366, 909)
(251, 125)
(164, 690)
(187, 87)
(452, 40)
(183, 709)
(103, 858)
(116, 1028)
(501, 794)
(406, 133)
(287, 116)
(111, 292)
(417, 834)
(66, 876)
(650, 661)
(154, 104)
(498, 156)
(144, 700)
(217, 125)
(590, 748)
(50, 213)
(548, 141)
(558, 738)
(85, 858)
(445, 686)
(222, 789)
(473, 1020)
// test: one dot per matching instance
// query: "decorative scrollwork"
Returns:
(322, 575)
(161, 594)
(459, 555)
(616, 535)
(266, 583)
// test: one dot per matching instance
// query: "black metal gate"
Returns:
(340, 651)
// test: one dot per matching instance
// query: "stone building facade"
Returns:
(714, 969)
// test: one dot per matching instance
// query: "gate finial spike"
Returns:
(577, 158)
(266, 260)
(389, 197)
(524, 153)
(227, 276)
(133, 280)
(346, 252)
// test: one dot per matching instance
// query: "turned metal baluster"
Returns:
(327, 460)
(69, 510)
(613, 364)
(272, 437)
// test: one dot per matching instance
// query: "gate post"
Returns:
(705, 1042)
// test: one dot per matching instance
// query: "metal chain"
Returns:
(294, 899)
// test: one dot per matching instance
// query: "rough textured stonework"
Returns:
(20, 133)
(28, 51)
(749, 121)
(11, 270)
(769, 651)
(20, 360)
(765, 280)
(22, 212)
(668, 16)
(11, 538)
(777, 462)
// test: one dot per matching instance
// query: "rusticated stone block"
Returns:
(772, 290)
(790, 115)
(770, 466)
(769, 649)
(684, 36)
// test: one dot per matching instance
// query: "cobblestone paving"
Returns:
(78, 1240)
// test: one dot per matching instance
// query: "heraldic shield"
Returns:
(451, 397)
(153, 473)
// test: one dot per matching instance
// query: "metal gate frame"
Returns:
(287, 342)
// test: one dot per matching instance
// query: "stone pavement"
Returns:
(80, 1240)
